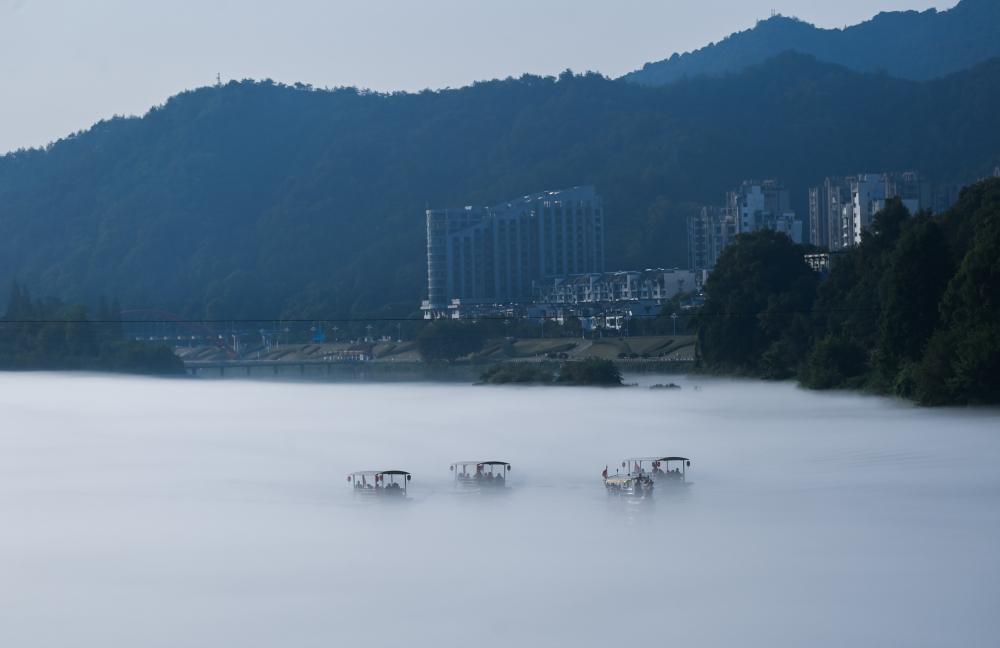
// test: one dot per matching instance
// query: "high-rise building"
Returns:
(752, 207)
(869, 195)
(764, 205)
(826, 211)
(710, 231)
(491, 255)
(869, 191)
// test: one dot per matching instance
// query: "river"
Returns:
(140, 512)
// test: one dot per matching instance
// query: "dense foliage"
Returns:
(578, 373)
(592, 371)
(908, 44)
(913, 311)
(757, 305)
(259, 201)
(519, 373)
(449, 340)
(49, 335)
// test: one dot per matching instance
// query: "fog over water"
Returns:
(195, 513)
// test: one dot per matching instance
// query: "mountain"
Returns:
(909, 45)
(256, 200)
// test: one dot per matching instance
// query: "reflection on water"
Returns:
(138, 512)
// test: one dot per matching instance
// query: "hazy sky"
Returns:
(66, 63)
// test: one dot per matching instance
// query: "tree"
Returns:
(449, 340)
(963, 362)
(592, 371)
(835, 363)
(755, 300)
(916, 276)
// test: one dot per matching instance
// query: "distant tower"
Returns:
(218, 79)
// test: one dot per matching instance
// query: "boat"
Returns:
(628, 485)
(480, 475)
(379, 483)
(663, 470)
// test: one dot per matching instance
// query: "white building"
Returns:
(869, 195)
(710, 231)
(653, 286)
(868, 191)
(764, 205)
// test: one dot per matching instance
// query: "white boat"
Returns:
(668, 471)
(627, 485)
(480, 476)
(379, 483)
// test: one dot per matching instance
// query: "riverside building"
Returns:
(841, 210)
(485, 256)
(752, 207)
(826, 211)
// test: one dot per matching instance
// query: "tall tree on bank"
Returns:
(757, 302)
(962, 363)
(894, 316)
(915, 278)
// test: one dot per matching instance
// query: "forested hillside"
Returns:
(257, 200)
(909, 45)
(914, 311)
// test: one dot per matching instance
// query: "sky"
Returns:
(65, 64)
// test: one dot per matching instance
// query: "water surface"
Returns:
(195, 513)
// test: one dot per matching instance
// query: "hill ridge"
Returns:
(255, 200)
(916, 45)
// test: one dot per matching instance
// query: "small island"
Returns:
(589, 372)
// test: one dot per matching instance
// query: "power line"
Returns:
(490, 318)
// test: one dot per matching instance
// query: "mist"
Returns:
(191, 513)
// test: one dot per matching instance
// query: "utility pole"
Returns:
(673, 316)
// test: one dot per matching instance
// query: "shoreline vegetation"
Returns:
(583, 373)
(47, 335)
(912, 312)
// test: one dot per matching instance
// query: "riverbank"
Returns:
(400, 362)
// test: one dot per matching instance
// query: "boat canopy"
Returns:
(376, 473)
(466, 464)
(644, 459)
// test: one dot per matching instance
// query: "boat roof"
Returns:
(480, 463)
(370, 473)
(657, 459)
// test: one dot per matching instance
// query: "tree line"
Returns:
(913, 311)
(256, 200)
(46, 334)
